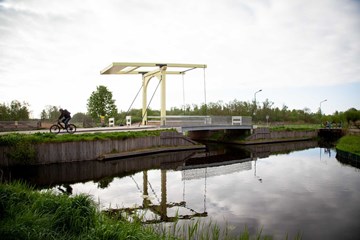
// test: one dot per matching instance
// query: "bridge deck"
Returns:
(213, 127)
(201, 123)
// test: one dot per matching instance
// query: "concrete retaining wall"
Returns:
(47, 153)
(73, 172)
(347, 156)
(265, 133)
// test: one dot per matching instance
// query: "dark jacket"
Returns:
(65, 114)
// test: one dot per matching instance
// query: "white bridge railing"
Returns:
(184, 120)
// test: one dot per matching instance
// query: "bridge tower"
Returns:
(149, 71)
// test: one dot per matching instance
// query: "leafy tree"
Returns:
(4, 112)
(352, 115)
(43, 114)
(136, 116)
(101, 103)
(83, 118)
(338, 117)
(80, 117)
(15, 111)
(176, 111)
(50, 113)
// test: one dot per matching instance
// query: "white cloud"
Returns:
(49, 48)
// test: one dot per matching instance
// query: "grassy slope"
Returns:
(29, 214)
(350, 144)
(13, 138)
(295, 127)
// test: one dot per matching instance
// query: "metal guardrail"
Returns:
(178, 121)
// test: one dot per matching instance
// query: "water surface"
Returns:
(306, 191)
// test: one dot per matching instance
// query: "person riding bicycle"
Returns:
(65, 116)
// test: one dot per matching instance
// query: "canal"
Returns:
(281, 189)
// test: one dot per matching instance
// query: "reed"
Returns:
(29, 214)
(201, 230)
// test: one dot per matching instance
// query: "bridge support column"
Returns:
(144, 99)
(163, 97)
(161, 75)
(163, 203)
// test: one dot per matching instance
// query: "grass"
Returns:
(295, 127)
(15, 138)
(201, 230)
(29, 214)
(349, 143)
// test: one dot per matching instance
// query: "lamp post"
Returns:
(255, 95)
(255, 100)
(321, 103)
(320, 109)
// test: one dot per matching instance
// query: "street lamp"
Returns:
(255, 95)
(255, 100)
(320, 105)
(320, 109)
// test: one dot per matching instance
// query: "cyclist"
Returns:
(65, 116)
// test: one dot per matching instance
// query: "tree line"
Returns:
(15, 111)
(101, 105)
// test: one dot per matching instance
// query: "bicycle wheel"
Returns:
(55, 129)
(71, 128)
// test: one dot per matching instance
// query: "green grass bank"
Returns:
(16, 138)
(294, 127)
(29, 214)
(349, 143)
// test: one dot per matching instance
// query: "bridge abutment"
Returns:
(221, 135)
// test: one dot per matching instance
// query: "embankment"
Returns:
(49, 153)
(348, 149)
(264, 135)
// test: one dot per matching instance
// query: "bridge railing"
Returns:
(183, 120)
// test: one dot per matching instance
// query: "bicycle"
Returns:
(71, 128)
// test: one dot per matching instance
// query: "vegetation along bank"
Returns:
(348, 147)
(45, 148)
(26, 213)
(29, 214)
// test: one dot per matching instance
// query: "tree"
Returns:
(15, 111)
(4, 113)
(82, 118)
(352, 115)
(50, 113)
(101, 103)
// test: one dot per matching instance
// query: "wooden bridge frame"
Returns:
(148, 71)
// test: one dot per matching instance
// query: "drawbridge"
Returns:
(149, 71)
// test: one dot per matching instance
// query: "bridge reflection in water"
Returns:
(218, 160)
(198, 166)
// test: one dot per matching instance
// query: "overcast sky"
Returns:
(299, 52)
